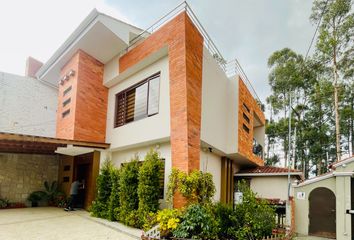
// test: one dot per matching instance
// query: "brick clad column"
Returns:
(185, 50)
(88, 100)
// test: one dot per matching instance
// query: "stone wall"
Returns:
(21, 174)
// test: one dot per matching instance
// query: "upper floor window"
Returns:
(66, 91)
(139, 101)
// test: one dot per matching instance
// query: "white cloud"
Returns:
(38, 27)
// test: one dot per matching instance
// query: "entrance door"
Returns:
(82, 174)
(322, 213)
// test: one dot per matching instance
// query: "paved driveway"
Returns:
(56, 224)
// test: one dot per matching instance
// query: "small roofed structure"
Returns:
(270, 183)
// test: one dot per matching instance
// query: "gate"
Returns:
(322, 213)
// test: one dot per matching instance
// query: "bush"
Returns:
(198, 222)
(196, 187)
(113, 203)
(149, 182)
(226, 219)
(256, 217)
(128, 195)
(99, 207)
(168, 220)
(4, 202)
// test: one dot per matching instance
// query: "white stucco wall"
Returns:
(219, 107)
(27, 106)
(272, 187)
(210, 162)
(148, 130)
(302, 205)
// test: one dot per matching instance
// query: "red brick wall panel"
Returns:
(245, 140)
(65, 126)
(88, 107)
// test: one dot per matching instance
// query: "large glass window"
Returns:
(139, 101)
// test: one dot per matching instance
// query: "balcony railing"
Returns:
(230, 68)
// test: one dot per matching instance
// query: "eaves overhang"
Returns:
(99, 35)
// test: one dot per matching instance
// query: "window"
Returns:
(246, 128)
(246, 118)
(67, 168)
(245, 107)
(66, 91)
(66, 102)
(66, 113)
(138, 102)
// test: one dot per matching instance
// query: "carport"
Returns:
(27, 161)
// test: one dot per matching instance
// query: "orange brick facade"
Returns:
(88, 106)
(185, 51)
(245, 139)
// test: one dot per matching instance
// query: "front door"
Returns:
(322, 213)
(82, 174)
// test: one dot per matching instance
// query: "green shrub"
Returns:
(99, 207)
(198, 222)
(255, 216)
(113, 202)
(149, 182)
(196, 187)
(227, 220)
(128, 195)
(168, 219)
(4, 202)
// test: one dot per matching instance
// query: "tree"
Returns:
(334, 41)
(128, 194)
(99, 207)
(149, 182)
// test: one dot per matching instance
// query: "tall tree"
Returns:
(334, 40)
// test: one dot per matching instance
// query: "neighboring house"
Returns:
(28, 105)
(122, 91)
(271, 183)
(325, 204)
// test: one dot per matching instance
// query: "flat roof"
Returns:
(19, 143)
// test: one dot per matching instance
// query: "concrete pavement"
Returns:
(50, 223)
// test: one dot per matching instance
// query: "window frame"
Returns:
(135, 86)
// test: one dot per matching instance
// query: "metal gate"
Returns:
(322, 213)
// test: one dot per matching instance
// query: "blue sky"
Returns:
(247, 30)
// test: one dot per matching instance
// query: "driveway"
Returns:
(55, 224)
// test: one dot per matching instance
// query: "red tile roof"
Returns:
(269, 170)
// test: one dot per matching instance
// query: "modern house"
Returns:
(122, 91)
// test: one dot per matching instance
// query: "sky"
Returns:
(247, 30)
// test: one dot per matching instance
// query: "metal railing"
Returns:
(234, 68)
(230, 68)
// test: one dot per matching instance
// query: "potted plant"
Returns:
(53, 195)
(35, 197)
